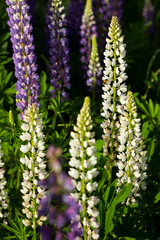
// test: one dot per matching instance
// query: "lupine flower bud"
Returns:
(88, 29)
(95, 69)
(114, 88)
(23, 54)
(83, 170)
(131, 156)
(3, 192)
(33, 148)
(58, 206)
(59, 51)
(148, 15)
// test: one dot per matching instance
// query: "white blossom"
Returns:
(3, 192)
(114, 92)
(132, 164)
(83, 170)
(34, 164)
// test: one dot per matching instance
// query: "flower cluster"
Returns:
(59, 51)
(132, 156)
(58, 206)
(95, 69)
(83, 171)
(148, 14)
(88, 29)
(23, 54)
(114, 88)
(34, 165)
(3, 193)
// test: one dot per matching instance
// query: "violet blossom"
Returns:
(58, 206)
(59, 51)
(88, 29)
(23, 54)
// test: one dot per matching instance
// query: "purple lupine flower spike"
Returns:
(23, 54)
(88, 29)
(75, 12)
(59, 51)
(60, 208)
(148, 15)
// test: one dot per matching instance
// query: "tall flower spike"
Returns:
(59, 51)
(95, 69)
(148, 15)
(34, 165)
(114, 88)
(131, 156)
(88, 29)
(23, 54)
(83, 171)
(3, 192)
(58, 206)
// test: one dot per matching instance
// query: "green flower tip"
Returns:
(87, 101)
(88, 8)
(94, 47)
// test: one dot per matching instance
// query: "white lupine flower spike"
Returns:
(3, 192)
(34, 165)
(114, 92)
(132, 158)
(83, 171)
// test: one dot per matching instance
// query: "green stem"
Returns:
(54, 120)
(94, 91)
(129, 150)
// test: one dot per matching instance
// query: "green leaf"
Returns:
(109, 218)
(123, 194)
(151, 107)
(151, 149)
(110, 191)
(4, 37)
(145, 130)
(11, 229)
(99, 145)
(157, 198)
(10, 90)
